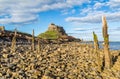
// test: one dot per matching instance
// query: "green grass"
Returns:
(49, 35)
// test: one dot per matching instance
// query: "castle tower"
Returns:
(52, 27)
(2, 28)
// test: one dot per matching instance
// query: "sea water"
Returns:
(112, 45)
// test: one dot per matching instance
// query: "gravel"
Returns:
(56, 61)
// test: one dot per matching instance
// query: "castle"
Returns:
(2, 28)
(59, 29)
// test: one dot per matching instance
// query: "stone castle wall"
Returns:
(59, 29)
(2, 28)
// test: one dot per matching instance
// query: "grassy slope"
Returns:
(49, 35)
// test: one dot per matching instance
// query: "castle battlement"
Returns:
(2, 28)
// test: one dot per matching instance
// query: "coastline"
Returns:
(69, 60)
(113, 45)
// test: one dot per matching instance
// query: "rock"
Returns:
(3, 73)
(0, 74)
(55, 61)
(8, 75)
(5, 55)
(57, 35)
(46, 77)
(59, 29)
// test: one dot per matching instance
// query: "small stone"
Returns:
(5, 55)
(0, 74)
(3, 73)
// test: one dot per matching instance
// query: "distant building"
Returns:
(2, 28)
(59, 29)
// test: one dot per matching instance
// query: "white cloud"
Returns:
(93, 13)
(85, 29)
(114, 3)
(86, 19)
(28, 10)
(98, 5)
(95, 17)
(79, 29)
(86, 10)
(68, 11)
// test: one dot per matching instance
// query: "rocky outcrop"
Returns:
(58, 33)
(59, 29)
(54, 34)
(6, 36)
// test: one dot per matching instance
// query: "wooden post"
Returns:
(96, 48)
(13, 46)
(33, 41)
(96, 44)
(108, 61)
(38, 45)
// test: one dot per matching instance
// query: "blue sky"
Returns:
(78, 17)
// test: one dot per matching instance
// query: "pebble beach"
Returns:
(57, 61)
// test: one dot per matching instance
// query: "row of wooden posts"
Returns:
(13, 45)
(107, 55)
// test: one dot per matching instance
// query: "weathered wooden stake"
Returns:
(108, 61)
(38, 45)
(13, 46)
(96, 44)
(33, 41)
(96, 48)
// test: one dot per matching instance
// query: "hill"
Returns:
(55, 32)
(7, 35)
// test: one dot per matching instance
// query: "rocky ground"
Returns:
(57, 61)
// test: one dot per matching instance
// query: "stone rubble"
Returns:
(55, 61)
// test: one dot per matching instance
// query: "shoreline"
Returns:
(112, 45)
(70, 60)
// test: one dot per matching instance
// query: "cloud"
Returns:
(68, 11)
(18, 18)
(95, 17)
(98, 5)
(86, 10)
(24, 11)
(117, 29)
(84, 29)
(93, 13)
(80, 29)
(114, 3)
